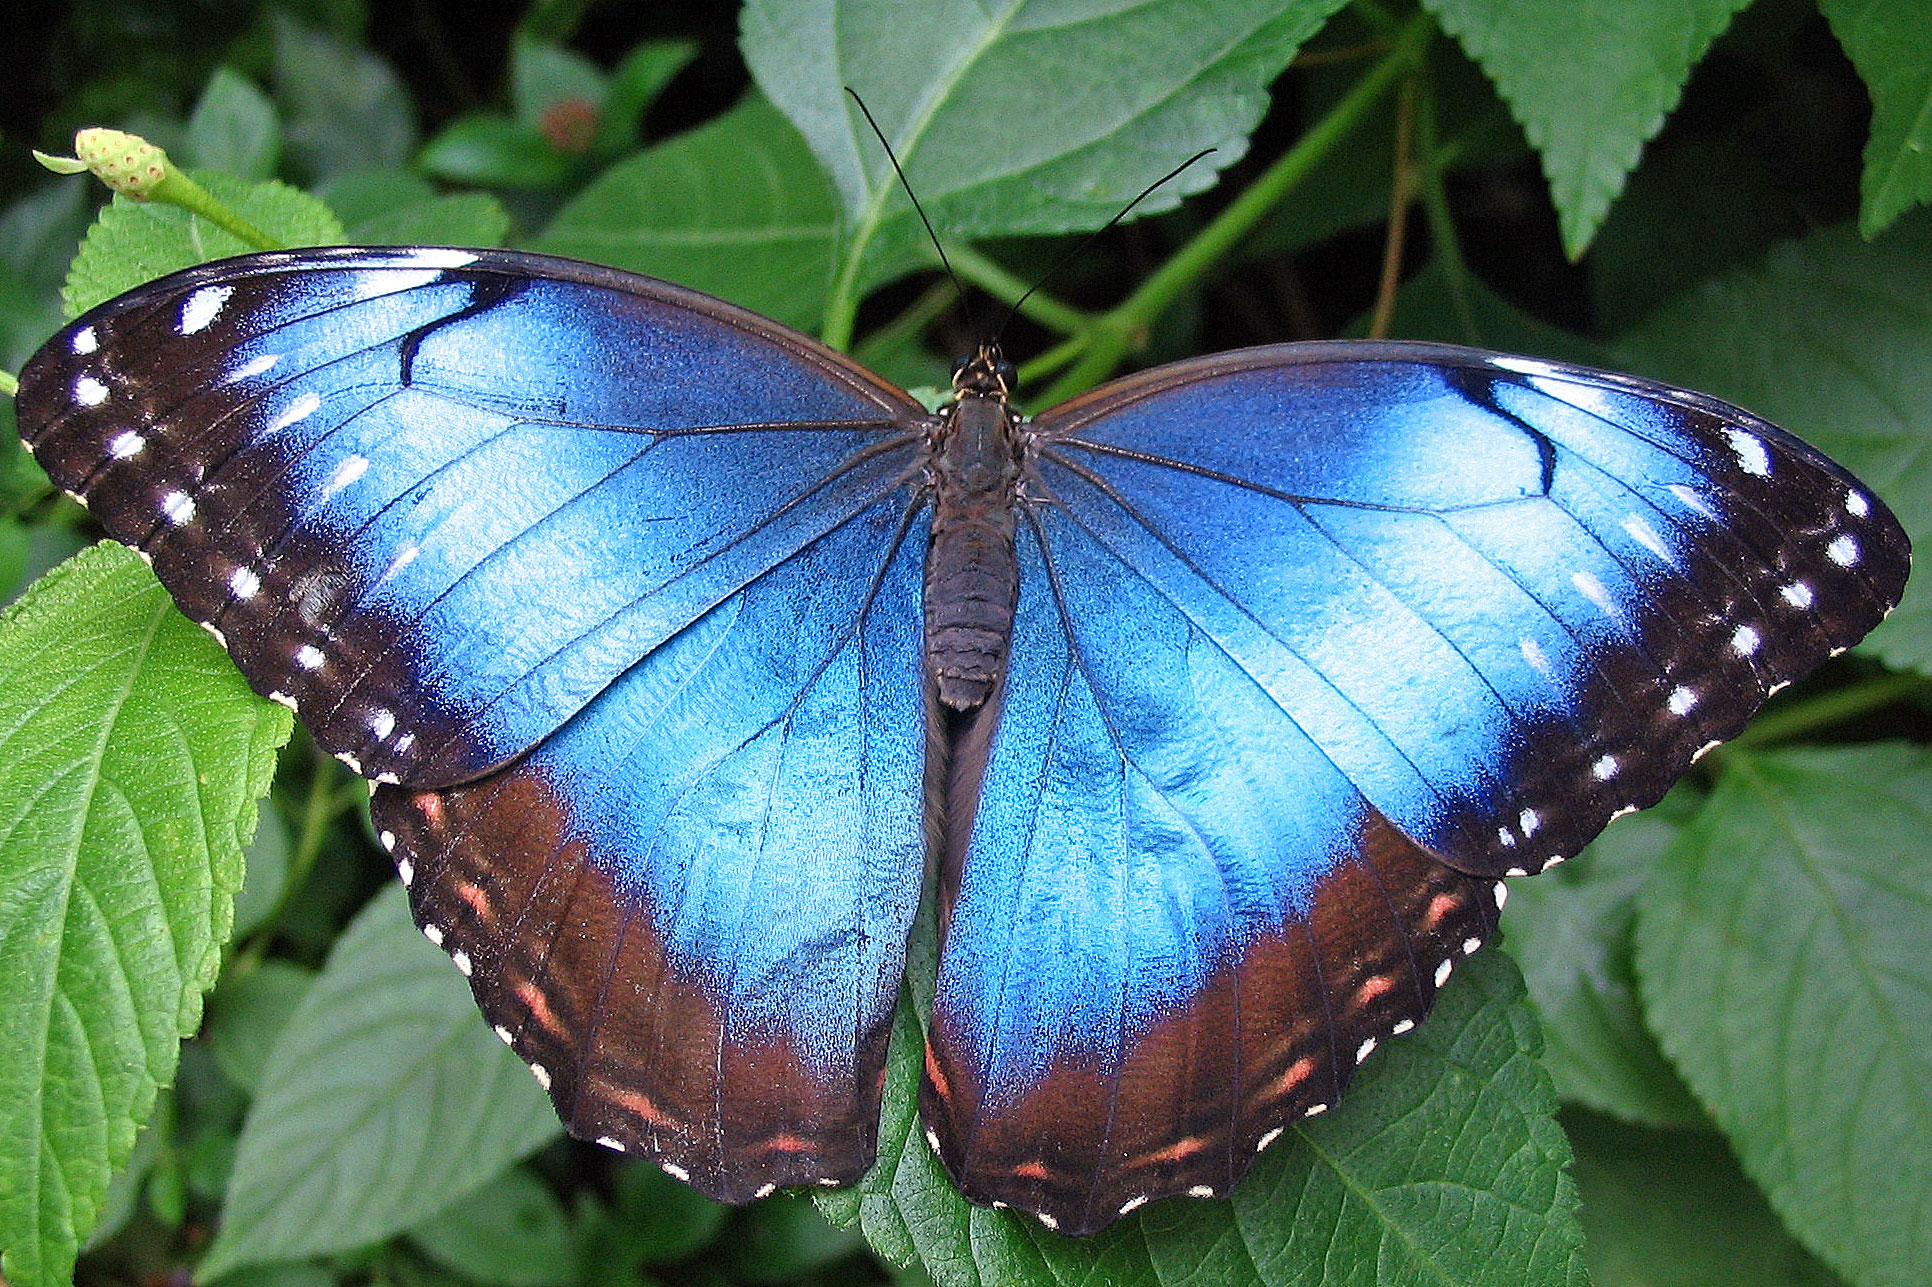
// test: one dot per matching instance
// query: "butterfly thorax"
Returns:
(972, 576)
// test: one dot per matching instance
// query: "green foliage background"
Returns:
(1720, 1070)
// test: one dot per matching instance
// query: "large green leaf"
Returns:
(345, 107)
(1890, 41)
(384, 1100)
(1017, 116)
(510, 1232)
(1831, 337)
(737, 207)
(1671, 1209)
(1783, 959)
(131, 757)
(1443, 1166)
(1571, 929)
(1590, 83)
(135, 241)
(234, 128)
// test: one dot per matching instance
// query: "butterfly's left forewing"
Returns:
(435, 499)
(617, 586)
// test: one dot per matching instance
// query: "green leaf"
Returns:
(397, 208)
(1590, 84)
(234, 129)
(455, 219)
(134, 242)
(1888, 42)
(38, 234)
(494, 151)
(979, 102)
(783, 1239)
(1783, 959)
(293, 1273)
(385, 1099)
(345, 107)
(1697, 208)
(131, 757)
(1830, 337)
(543, 75)
(267, 870)
(1436, 304)
(247, 1016)
(1571, 930)
(1350, 187)
(634, 86)
(1671, 1209)
(360, 196)
(509, 1233)
(736, 207)
(124, 1190)
(1443, 1166)
(659, 1220)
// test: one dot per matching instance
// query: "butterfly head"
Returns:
(986, 373)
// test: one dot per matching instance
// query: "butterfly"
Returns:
(1223, 698)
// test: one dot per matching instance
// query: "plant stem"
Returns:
(1115, 331)
(1402, 188)
(1444, 245)
(997, 281)
(915, 317)
(180, 190)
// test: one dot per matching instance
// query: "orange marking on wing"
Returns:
(1439, 907)
(788, 1144)
(937, 1078)
(479, 902)
(528, 993)
(1297, 1073)
(1373, 987)
(1178, 1151)
(1032, 1171)
(637, 1102)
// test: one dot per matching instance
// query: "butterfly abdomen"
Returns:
(972, 575)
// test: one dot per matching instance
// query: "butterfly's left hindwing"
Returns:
(436, 500)
(687, 910)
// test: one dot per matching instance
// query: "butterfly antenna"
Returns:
(1092, 237)
(965, 301)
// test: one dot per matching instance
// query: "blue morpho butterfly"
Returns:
(1224, 695)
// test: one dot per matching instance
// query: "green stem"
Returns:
(995, 280)
(318, 811)
(1832, 708)
(842, 305)
(177, 189)
(1052, 360)
(1115, 332)
(915, 318)
(8, 384)
(1444, 245)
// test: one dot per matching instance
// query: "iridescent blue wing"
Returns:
(437, 500)
(687, 910)
(453, 505)
(1316, 642)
